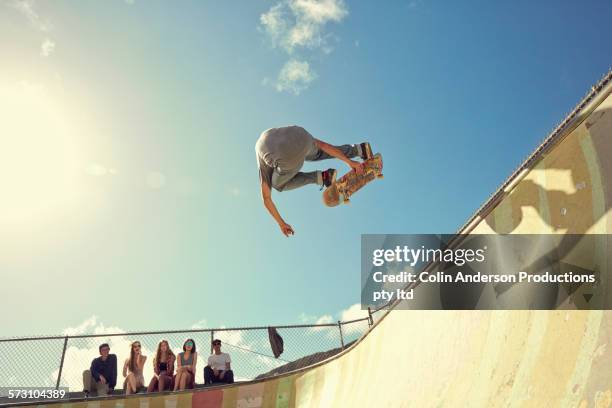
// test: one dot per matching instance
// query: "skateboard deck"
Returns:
(344, 187)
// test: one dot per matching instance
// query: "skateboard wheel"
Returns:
(380, 176)
(347, 201)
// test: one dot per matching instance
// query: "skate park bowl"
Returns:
(469, 358)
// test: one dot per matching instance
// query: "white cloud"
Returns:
(293, 24)
(233, 338)
(353, 312)
(47, 47)
(91, 325)
(295, 77)
(200, 324)
(325, 319)
(275, 23)
(313, 319)
(307, 319)
(320, 11)
(82, 328)
(28, 9)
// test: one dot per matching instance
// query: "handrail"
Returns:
(140, 333)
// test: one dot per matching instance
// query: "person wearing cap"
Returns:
(102, 375)
(219, 368)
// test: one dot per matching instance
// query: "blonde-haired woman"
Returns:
(132, 369)
(163, 366)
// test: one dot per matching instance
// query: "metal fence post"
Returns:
(59, 374)
(341, 337)
(212, 337)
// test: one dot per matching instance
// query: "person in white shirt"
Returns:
(219, 368)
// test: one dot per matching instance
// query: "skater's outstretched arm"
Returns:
(266, 195)
(333, 151)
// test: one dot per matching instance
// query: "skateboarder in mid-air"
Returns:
(281, 153)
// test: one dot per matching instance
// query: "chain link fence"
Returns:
(60, 361)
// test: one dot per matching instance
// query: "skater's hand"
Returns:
(355, 165)
(286, 229)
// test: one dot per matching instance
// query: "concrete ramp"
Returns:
(474, 358)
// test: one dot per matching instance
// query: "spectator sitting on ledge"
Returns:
(185, 366)
(102, 375)
(132, 369)
(163, 367)
(218, 369)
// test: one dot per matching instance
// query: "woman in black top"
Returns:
(163, 366)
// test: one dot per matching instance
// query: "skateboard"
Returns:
(344, 187)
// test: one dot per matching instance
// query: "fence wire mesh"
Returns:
(60, 361)
(30, 363)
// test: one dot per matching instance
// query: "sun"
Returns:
(38, 166)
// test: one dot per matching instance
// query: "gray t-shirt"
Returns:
(282, 149)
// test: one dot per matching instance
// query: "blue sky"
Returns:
(130, 158)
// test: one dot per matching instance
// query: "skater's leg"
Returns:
(348, 150)
(284, 182)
